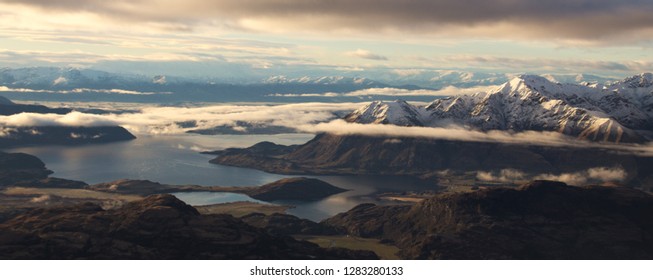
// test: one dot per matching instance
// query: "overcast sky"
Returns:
(290, 37)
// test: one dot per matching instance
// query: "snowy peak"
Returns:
(45, 77)
(397, 112)
(529, 102)
(644, 80)
(324, 80)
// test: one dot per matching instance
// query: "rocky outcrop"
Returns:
(157, 227)
(297, 189)
(540, 220)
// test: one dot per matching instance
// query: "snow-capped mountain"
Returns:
(59, 77)
(617, 112)
(464, 79)
(398, 112)
(321, 80)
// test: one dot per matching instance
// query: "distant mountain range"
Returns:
(73, 84)
(617, 112)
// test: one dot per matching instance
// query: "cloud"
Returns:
(365, 54)
(408, 72)
(304, 117)
(592, 175)
(533, 138)
(395, 92)
(596, 175)
(165, 120)
(81, 90)
(70, 119)
(568, 19)
(504, 176)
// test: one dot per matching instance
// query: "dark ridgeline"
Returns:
(157, 227)
(14, 136)
(353, 154)
(540, 220)
(63, 135)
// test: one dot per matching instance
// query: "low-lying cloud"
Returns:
(70, 119)
(81, 90)
(303, 117)
(169, 120)
(534, 138)
(393, 92)
(597, 175)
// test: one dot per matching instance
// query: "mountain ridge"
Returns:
(539, 220)
(616, 113)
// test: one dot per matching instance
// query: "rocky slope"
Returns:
(540, 220)
(338, 154)
(618, 112)
(157, 227)
(62, 135)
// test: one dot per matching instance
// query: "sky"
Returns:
(221, 38)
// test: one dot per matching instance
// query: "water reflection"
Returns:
(169, 159)
(208, 198)
(174, 159)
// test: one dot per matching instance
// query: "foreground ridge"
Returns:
(539, 220)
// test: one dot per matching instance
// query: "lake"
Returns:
(175, 159)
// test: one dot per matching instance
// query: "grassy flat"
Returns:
(241, 208)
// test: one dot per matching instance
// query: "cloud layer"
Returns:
(165, 120)
(597, 175)
(393, 92)
(575, 19)
(303, 117)
(82, 90)
(536, 138)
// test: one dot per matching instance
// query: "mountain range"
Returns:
(617, 112)
(614, 114)
(78, 84)
(72, 84)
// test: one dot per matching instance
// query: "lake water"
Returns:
(175, 159)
